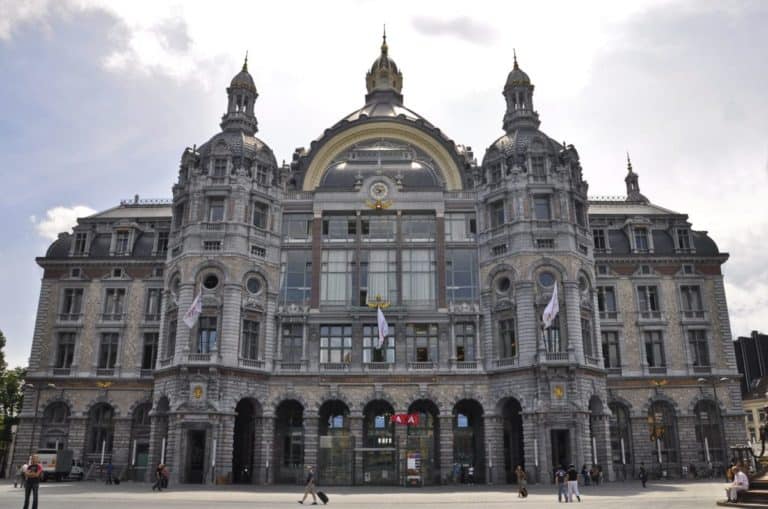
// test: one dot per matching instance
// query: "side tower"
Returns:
(534, 239)
(224, 259)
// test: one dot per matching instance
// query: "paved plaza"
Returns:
(87, 495)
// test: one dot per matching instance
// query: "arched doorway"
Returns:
(289, 442)
(247, 412)
(335, 451)
(100, 434)
(55, 427)
(621, 439)
(379, 445)
(662, 423)
(140, 428)
(160, 425)
(595, 431)
(709, 433)
(514, 453)
(469, 438)
(422, 454)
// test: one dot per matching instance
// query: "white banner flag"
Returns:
(550, 312)
(383, 328)
(190, 317)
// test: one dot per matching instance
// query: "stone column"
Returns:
(573, 319)
(446, 446)
(311, 441)
(494, 450)
(229, 339)
(534, 448)
(266, 468)
(76, 439)
(356, 429)
(528, 342)
(186, 296)
(223, 431)
(174, 451)
(121, 443)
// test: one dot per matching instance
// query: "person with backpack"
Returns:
(573, 483)
(522, 482)
(562, 486)
(643, 474)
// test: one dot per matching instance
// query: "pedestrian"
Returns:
(32, 473)
(585, 474)
(18, 478)
(158, 478)
(471, 475)
(309, 486)
(573, 483)
(522, 482)
(643, 474)
(456, 473)
(740, 483)
(166, 476)
(109, 472)
(562, 486)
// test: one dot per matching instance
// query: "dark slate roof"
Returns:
(662, 243)
(144, 244)
(100, 245)
(618, 241)
(520, 141)
(60, 247)
(704, 245)
(239, 144)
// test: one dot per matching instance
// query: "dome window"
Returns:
(211, 281)
(253, 285)
(503, 284)
(546, 279)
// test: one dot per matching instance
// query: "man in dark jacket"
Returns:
(573, 483)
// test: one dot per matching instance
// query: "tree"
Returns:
(3, 365)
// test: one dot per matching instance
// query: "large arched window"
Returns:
(662, 423)
(55, 426)
(100, 431)
(334, 456)
(423, 451)
(621, 434)
(289, 441)
(709, 432)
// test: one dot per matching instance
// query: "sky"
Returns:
(98, 100)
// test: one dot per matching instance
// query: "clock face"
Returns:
(379, 190)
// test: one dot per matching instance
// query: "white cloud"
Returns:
(60, 219)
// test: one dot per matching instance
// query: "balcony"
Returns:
(297, 196)
(657, 370)
(334, 366)
(609, 316)
(702, 369)
(377, 367)
(422, 365)
(650, 315)
(146, 373)
(290, 366)
(252, 363)
(61, 371)
(105, 371)
(592, 361)
(70, 317)
(164, 363)
(112, 317)
(152, 317)
(693, 315)
(506, 362)
(556, 356)
(465, 365)
(199, 357)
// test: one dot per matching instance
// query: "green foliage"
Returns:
(11, 391)
(3, 365)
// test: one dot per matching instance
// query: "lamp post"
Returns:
(38, 388)
(721, 423)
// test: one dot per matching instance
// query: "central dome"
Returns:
(384, 75)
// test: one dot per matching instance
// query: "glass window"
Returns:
(663, 427)
(648, 299)
(216, 209)
(260, 215)
(152, 309)
(292, 342)
(697, 339)
(465, 341)
(101, 429)
(72, 304)
(206, 334)
(708, 427)
(262, 175)
(335, 344)
(418, 276)
(507, 338)
(606, 302)
(611, 354)
(297, 227)
(552, 335)
(81, 242)
(297, 277)
(121, 243)
(641, 239)
(538, 170)
(65, 350)
(460, 227)
(336, 277)
(378, 276)
(371, 340)
(149, 354)
(691, 296)
(598, 236)
(683, 239)
(620, 430)
(170, 348)
(108, 350)
(250, 348)
(581, 217)
(339, 228)
(586, 336)
(377, 228)
(461, 274)
(162, 242)
(654, 349)
(496, 174)
(113, 303)
(541, 207)
(418, 228)
(421, 340)
(497, 213)
(219, 167)
(178, 215)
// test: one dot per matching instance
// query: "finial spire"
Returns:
(514, 55)
(384, 46)
(245, 62)
(629, 163)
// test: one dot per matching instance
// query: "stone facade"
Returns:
(232, 332)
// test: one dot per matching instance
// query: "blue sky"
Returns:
(99, 99)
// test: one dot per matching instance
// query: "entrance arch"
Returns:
(379, 444)
(469, 438)
(514, 453)
(289, 442)
(335, 451)
(101, 430)
(247, 413)
(422, 454)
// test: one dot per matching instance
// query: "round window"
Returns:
(546, 279)
(211, 281)
(253, 284)
(503, 284)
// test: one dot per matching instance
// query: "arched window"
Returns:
(100, 430)
(55, 426)
(709, 432)
(662, 423)
(621, 434)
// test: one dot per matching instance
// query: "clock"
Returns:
(378, 191)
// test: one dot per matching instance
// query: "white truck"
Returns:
(59, 465)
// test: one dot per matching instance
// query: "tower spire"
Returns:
(514, 56)
(245, 62)
(629, 163)
(384, 47)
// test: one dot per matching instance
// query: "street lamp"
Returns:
(714, 382)
(38, 388)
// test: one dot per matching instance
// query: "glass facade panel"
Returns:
(336, 277)
(378, 276)
(297, 277)
(421, 340)
(335, 344)
(371, 352)
(461, 274)
(418, 276)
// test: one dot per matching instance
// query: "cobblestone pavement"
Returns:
(93, 495)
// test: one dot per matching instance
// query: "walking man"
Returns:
(309, 487)
(562, 487)
(643, 474)
(32, 474)
(573, 483)
(109, 472)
